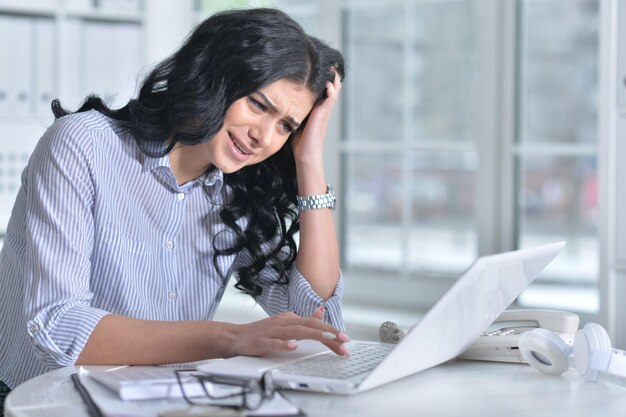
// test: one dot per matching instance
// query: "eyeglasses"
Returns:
(248, 394)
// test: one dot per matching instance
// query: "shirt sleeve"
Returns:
(297, 296)
(59, 233)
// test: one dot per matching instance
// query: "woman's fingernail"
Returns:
(343, 350)
(292, 344)
(320, 308)
(344, 337)
(329, 335)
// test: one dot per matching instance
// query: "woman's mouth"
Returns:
(236, 149)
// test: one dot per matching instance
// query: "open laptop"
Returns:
(475, 300)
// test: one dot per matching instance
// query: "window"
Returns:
(556, 145)
(408, 145)
(424, 189)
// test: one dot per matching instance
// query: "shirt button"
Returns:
(181, 196)
(169, 244)
(34, 327)
(171, 294)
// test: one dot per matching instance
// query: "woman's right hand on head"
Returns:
(280, 333)
(309, 143)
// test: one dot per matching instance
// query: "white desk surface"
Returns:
(457, 388)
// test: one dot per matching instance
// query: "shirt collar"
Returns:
(150, 163)
(215, 177)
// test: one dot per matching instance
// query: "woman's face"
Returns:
(257, 126)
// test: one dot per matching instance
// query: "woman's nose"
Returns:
(261, 133)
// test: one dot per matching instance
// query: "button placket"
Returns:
(178, 206)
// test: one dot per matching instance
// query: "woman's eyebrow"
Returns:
(266, 101)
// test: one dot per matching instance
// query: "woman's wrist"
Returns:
(311, 178)
(224, 339)
(310, 161)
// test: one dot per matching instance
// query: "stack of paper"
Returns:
(135, 391)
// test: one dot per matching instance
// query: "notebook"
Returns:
(132, 383)
(456, 320)
(152, 390)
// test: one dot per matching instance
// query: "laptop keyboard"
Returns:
(363, 358)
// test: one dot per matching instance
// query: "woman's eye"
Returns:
(286, 127)
(257, 104)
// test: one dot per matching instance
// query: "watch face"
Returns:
(331, 191)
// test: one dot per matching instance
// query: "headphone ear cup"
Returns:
(591, 338)
(545, 351)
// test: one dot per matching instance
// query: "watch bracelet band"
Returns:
(319, 201)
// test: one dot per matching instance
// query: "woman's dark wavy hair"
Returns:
(184, 99)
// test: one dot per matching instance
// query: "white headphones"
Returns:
(591, 353)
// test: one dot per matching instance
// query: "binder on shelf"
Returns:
(4, 65)
(112, 60)
(70, 64)
(98, 66)
(128, 61)
(45, 68)
(19, 57)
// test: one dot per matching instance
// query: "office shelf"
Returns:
(63, 49)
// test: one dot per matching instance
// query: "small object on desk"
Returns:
(500, 342)
(388, 332)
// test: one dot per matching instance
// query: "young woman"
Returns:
(129, 222)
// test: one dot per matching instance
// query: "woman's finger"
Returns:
(279, 333)
(333, 340)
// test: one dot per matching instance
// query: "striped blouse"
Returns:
(98, 227)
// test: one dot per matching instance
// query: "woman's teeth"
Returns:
(240, 150)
